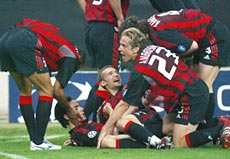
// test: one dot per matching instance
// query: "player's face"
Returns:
(127, 52)
(77, 110)
(112, 78)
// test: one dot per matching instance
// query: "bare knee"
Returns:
(121, 124)
(167, 129)
(108, 142)
(124, 120)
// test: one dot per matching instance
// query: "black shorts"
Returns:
(193, 105)
(151, 120)
(215, 47)
(102, 44)
(20, 52)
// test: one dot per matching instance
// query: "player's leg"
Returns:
(208, 74)
(194, 106)
(43, 85)
(120, 141)
(168, 123)
(132, 126)
(179, 133)
(25, 101)
(188, 136)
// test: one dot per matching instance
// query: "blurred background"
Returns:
(67, 15)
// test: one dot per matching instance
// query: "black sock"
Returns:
(42, 117)
(201, 137)
(211, 108)
(128, 143)
(210, 123)
(138, 132)
(27, 111)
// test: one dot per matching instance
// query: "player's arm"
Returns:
(194, 47)
(131, 110)
(82, 4)
(174, 41)
(119, 110)
(68, 66)
(116, 6)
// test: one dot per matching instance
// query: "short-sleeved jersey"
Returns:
(167, 75)
(86, 134)
(177, 29)
(135, 89)
(54, 45)
(100, 10)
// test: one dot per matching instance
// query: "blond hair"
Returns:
(138, 39)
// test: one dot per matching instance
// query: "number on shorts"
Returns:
(97, 2)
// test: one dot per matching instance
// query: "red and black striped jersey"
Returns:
(113, 100)
(53, 41)
(86, 134)
(167, 75)
(191, 23)
(100, 10)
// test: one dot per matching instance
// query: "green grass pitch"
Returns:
(14, 144)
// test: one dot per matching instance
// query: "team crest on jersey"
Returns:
(92, 134)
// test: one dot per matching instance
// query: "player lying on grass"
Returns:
(86, 133)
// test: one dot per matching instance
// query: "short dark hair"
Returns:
(60, 112)
(100, 75)
(135, 22)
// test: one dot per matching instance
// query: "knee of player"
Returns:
(180, 142)
(108, 142)
(120, 124)
(167, 130)
(124, 122)
(46, 90)
(50, 91)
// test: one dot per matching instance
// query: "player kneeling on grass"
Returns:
(86, 133)
(168, 83)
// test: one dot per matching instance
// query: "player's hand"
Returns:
(67, 143)
(119, 22)
(98, 114)
(100, 138)
(108, 108)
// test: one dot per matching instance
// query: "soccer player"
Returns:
(189, 32)
(30, 51)
(107, 90)
(145, 126)
(168, 83)
(86, 133)
(103, 17)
